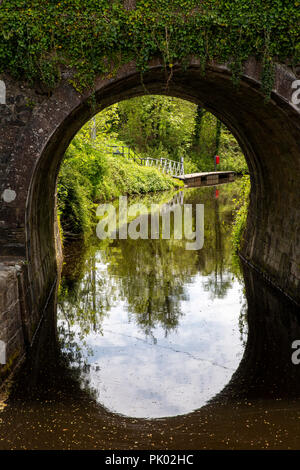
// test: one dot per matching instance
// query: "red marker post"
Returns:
(217, 161)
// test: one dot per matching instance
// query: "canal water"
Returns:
(157, 327)
(149, 345)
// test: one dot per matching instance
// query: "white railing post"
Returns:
(181, 166)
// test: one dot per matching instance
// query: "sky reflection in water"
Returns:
(165, 371)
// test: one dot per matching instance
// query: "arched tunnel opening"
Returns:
(255, 125)
(270, 247)
(158, 299)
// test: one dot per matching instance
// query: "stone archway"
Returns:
(36, 128)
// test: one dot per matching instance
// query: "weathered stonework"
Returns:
(11, 332)
(36, 127)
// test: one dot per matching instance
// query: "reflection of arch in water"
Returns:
(267, 133)
(264, 372)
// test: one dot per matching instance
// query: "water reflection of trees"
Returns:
(148, 275)
(85, 301)
(152, 274)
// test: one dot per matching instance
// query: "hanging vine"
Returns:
(40, 39)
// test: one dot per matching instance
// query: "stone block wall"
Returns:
(11, 321)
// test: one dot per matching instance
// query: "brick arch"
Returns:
(37, 127)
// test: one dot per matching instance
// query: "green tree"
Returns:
(218, 136)
(198, 124)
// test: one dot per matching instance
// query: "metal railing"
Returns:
(169, 167)
(166, 166)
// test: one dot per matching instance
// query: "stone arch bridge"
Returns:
(36, 127)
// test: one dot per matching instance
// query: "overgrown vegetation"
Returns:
(241, 204)
(91, 174)
(211, 137)
(153, 126)
(164, 127)
(40, 39)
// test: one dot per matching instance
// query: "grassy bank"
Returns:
(89, 177)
